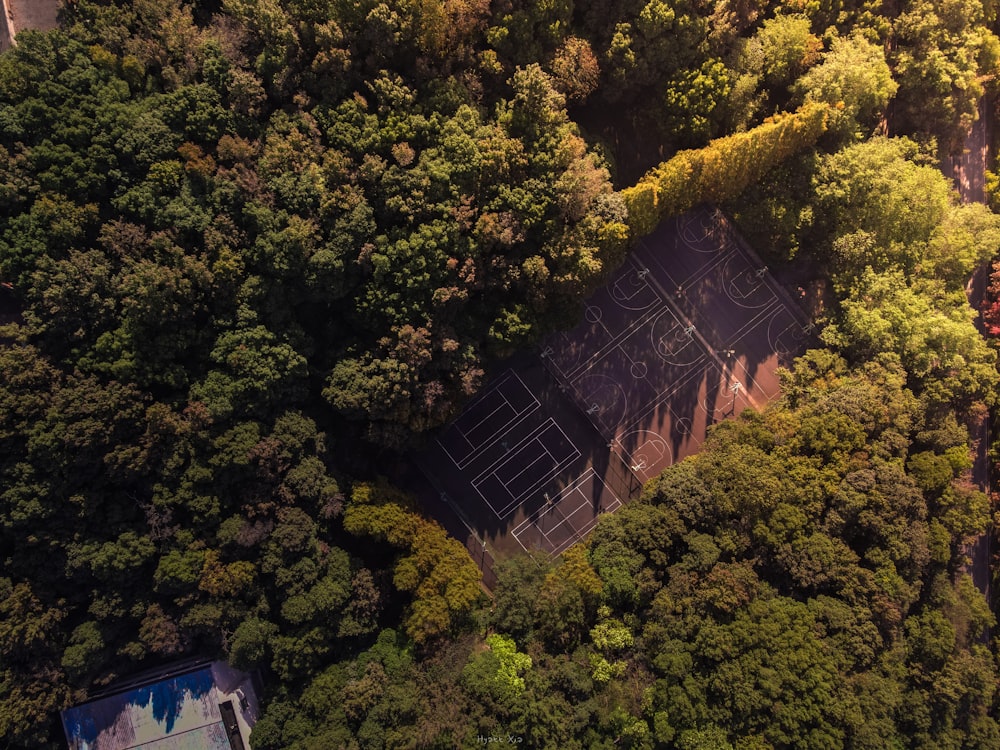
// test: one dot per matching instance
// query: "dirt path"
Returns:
(968, 170)
(26, 14)
(6, 35)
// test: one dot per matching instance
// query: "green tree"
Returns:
(495, 674)
(939, 51)
(855, 80)
(781, 50)
(720, 170)
(932, 334)
(877, 188)
(435, 569)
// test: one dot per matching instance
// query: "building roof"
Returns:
(210, 707)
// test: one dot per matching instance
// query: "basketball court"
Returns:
(688, 332)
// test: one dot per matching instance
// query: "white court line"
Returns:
(688, 284)
(493, 470)
(597, 353)
(461, 464)
(571, 487)
(567, 516)
(497, 435)
(675, 333)
(513, 449)
(465, 435)
(556, 467)
(618, 345)
(651, 406)
(579, 533)
(635, 323)
(587, 396)
(534, 462)
(689, 370)
(549, 361)
(710, 230)
(516, 502)
(511, 376)
(732, 285)
(764, 315)
(640, 272)
(800, 334)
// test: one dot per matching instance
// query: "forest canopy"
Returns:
(254, 250)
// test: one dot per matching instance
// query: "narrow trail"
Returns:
(6, 27)
(968, 171)
(18, 15)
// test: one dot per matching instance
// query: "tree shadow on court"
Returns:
(567, 432)
(533, 477)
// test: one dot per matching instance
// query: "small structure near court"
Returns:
(192, 706)
(688, 332)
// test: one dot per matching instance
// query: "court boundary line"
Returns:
(644, 409)
(763, 315)
(498, 434)
(731, 285)
(635, 323)
(744, 247)
(730, 249)
(577, 534)
(719, 258)
(679, 325)
(630, 455)
(709, 229)
(491, 470)
(640, 272)
(597, 352)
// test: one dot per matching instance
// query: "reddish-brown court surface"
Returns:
(687, 333)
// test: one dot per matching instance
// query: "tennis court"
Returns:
(687, 333)
(567, 517)
(522, 456)
(488, 418)
(525, 468)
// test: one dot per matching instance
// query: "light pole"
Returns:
(735, 388)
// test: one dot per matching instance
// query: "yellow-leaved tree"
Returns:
(434, 568)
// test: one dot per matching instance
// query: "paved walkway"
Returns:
(26, 14)
(968, 171)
